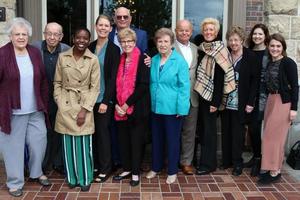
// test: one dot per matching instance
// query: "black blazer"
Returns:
(248, 85)
(111, 63)
(288, 82)
(218, 82)
(141, 95)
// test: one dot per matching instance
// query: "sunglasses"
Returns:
(120, 17)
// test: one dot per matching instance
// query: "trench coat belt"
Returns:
(77, 90)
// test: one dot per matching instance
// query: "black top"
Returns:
(248, 83)
(272, 76)
(111, 63)
(288, 82)
(140, 98)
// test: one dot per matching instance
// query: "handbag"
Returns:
(293, 158)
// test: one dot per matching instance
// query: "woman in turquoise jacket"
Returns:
(170, 94)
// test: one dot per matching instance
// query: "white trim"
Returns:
(44, 15)
(95, 13)
(225, 19)
(88, 14)
(174, 14)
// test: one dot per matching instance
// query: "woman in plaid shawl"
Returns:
(215, 77)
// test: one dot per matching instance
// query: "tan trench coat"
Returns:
(76, 85)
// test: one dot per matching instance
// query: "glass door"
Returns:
(69, 13)
(149, 15)
(197, 10)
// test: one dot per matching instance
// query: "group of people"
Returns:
(75, 108)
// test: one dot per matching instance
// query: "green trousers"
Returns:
(78, 159)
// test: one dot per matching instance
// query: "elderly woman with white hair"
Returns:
(23, 107)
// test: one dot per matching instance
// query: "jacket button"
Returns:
(79, 81)
(67, 102)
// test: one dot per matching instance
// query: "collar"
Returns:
(44, 48)
(87, 53)
(183, 45)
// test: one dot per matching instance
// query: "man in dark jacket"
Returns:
(50, 49)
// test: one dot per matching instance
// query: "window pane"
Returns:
(68, 13)
(197, 10)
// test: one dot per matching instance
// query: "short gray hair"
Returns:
(18, 21)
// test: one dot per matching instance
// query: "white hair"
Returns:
(21, 22)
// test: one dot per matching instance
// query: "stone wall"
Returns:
(10, 6)
(283, 17)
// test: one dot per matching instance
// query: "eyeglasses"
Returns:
(49, 34)
(120, 17)
(127, 42)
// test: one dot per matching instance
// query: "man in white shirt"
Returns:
(188, 50)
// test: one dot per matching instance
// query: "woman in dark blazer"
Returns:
(132, 105)
(109, 56)
(257, 41)
(240, 102)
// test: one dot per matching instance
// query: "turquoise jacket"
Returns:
(170, 88)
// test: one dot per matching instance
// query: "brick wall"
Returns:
(254, 13)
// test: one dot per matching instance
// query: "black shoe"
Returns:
(119, 178)
(134, 183)
(59, 169)
(237, 171)
(85, 188)
(268, 179)
(204, 172)
(250, 163)
(262, 175)
(71, 186)
(100, 179)
(223, 167)
(256, 167)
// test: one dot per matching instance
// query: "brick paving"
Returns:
(220, 185)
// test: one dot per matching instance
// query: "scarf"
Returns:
(125, 83)
(215, 52)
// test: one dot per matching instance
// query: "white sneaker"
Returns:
(151, 174)
(171, 179)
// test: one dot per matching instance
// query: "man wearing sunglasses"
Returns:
(122, 19)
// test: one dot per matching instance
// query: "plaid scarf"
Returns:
(215, 52)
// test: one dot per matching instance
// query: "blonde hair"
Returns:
(212, 21)
(126, 33)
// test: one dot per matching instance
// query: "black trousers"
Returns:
(233, 136)
(254, 128)
(131, 135)
(53, 156)
(101, 140)
(207, 136)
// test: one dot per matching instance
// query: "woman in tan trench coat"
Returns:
(76, 88)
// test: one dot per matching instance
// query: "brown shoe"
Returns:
(187, 169)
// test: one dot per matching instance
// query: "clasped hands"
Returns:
(121, 110)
